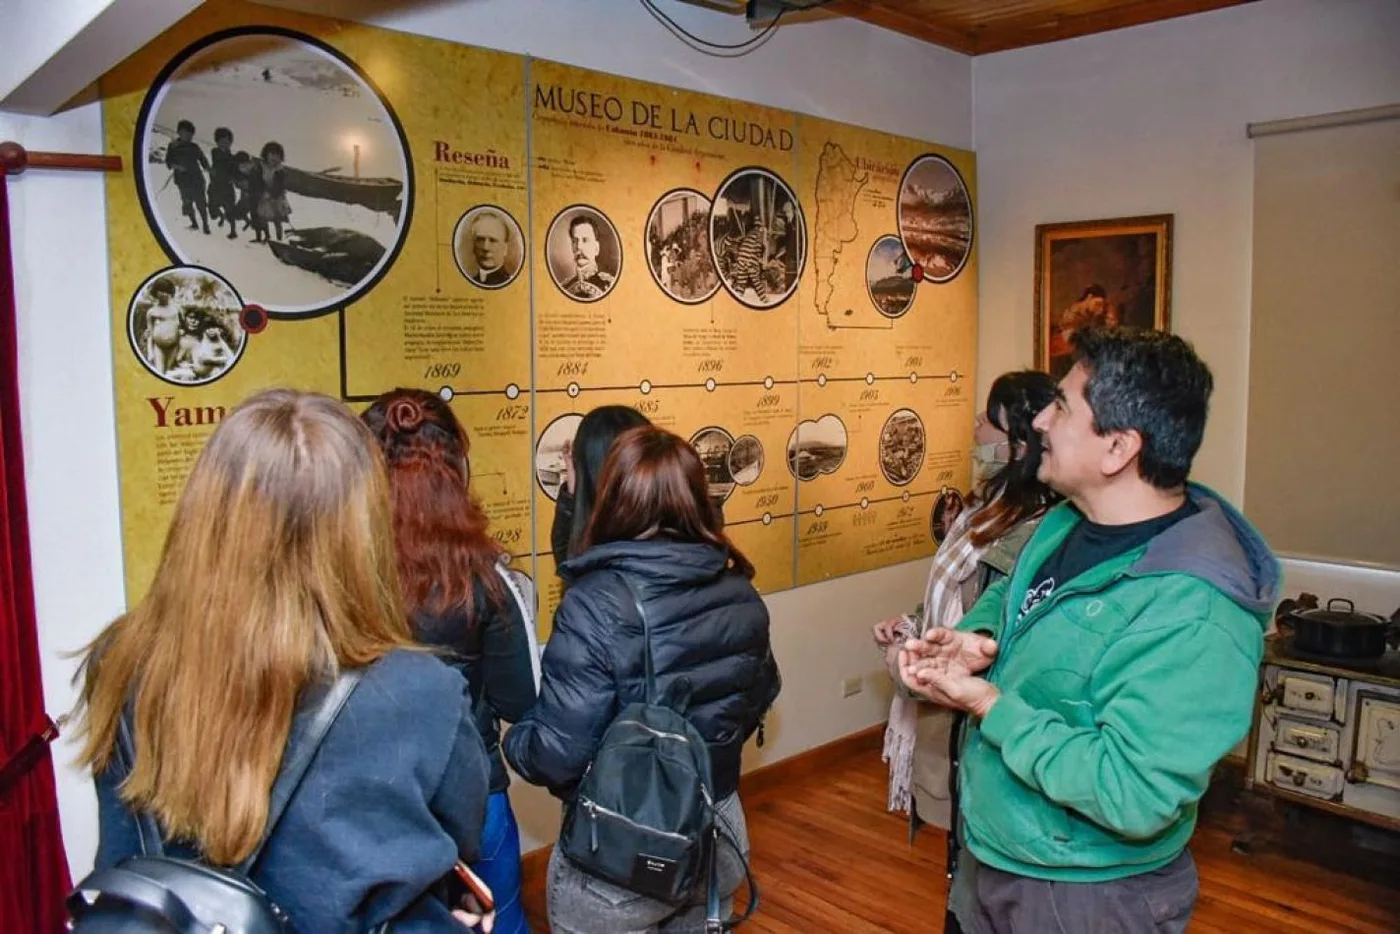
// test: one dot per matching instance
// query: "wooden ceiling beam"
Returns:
(891, 16)
(1037, 30)
(1045, 24)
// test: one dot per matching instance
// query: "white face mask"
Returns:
(987, 459)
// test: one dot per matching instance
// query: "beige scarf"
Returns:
(953, 563)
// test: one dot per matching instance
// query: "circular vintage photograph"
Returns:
(889, 277)
(713, 444)
(902, 446)
(678, 246)
(758, 238)
(945, 511)
(488, 247)
(584, 253)
(552, 452)
(746, 460)
(935, 217)
(268, 156)
(183, 324)
(817, 447)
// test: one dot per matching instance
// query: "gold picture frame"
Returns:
(1101, 272)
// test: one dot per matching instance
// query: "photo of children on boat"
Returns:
(184, 327)
(270, 159)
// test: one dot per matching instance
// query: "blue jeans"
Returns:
(499, 865)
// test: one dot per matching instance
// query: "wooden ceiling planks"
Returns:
(977, 27)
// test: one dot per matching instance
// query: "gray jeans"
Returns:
(582, 904)
(989, 901)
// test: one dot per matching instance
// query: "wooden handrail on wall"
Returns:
(14, 159)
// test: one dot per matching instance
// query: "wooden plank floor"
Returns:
(829, 859)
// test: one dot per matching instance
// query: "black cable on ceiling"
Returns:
(728, 50)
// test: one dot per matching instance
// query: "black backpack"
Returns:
(158, 893)
(644, 816)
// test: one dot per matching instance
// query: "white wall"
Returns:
(36, 31)
(1152, 120)
(66, 408)
(834, 68)
(827, 66)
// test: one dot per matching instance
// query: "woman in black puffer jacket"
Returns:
(655, 526)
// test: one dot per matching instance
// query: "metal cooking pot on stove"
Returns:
(1337, 630)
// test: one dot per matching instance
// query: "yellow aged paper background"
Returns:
(426, 83)
(733, 358)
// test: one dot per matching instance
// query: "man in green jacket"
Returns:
(1113, 669)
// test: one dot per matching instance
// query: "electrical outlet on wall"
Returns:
(851, 686)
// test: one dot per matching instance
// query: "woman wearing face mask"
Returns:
(981, 544)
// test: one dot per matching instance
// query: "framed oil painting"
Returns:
(1099, 273)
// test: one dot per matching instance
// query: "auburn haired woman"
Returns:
(654, 528)
(458, 602)
(278, 572)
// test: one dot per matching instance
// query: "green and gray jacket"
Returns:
(1119, 694)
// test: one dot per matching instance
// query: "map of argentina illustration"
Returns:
(839, 183)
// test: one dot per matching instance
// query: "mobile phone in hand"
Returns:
(474, 885)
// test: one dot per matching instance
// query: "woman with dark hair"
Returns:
(583, 468)
(458, 602)
(981, 544)
(655, 531)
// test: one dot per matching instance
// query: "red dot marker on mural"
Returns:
(917, 273)
(253, 318)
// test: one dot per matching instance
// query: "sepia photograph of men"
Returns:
(488, 247)
(678, 246)
(584, 253)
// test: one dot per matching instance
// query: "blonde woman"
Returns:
(279, 571)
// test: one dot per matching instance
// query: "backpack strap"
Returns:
(647, 663)
(527, 614)
(296, 760)
(714, 924)
(147, 831)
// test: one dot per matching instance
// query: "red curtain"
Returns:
(33, 867)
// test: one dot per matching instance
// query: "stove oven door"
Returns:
(1311, 740)
(1377, 739)
(1303, 777)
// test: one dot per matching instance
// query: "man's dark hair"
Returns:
(1095, 290)
(1152, 383)
(223, 132)
(580, 221)
(184, 125)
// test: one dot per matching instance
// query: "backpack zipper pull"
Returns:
(592, 826)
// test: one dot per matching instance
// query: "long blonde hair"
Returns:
(278, 569)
